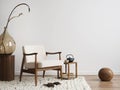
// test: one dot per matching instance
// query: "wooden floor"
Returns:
(96, 84)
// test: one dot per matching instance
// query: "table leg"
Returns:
(68, 70)
(76, 69)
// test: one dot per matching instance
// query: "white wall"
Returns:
(89, 29)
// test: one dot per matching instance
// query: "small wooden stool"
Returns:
(67, 69)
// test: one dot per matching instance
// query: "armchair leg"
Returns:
(35, 77)
(21, 72)
(43, 73)
(61, 72)
(57, 73)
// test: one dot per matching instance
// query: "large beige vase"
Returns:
(7, 43)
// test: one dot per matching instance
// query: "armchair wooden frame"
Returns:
(36, 69)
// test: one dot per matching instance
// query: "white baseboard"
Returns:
(54, 73)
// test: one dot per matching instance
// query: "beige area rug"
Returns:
(27, 83)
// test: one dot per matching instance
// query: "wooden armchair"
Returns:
(34, 60)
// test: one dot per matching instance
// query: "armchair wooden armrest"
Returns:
(30, 54)
(52, 53)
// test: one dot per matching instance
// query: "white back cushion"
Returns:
(34, 49)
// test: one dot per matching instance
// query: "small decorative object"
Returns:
(105, 74)
(70, 57)
(52, 84)
(49, 85)
(57, 83)
(7, 43)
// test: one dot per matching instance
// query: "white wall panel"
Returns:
(89, 29)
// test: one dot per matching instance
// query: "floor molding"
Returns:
(54, 73)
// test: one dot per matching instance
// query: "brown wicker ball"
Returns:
(105, 74)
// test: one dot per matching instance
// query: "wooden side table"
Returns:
(7, 67)
(67, 69)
